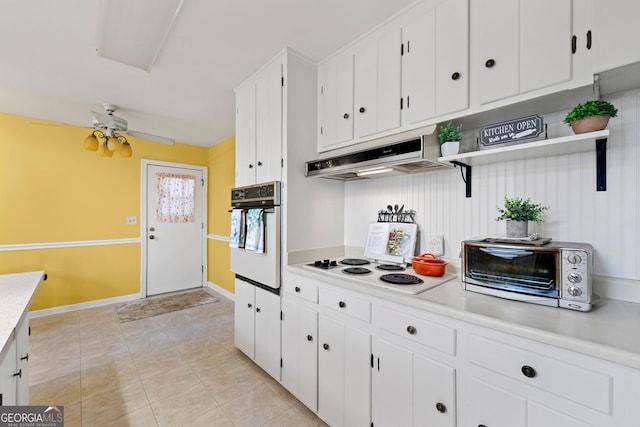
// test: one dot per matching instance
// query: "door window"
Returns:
(176, 198)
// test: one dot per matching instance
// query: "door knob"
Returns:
(152, 237)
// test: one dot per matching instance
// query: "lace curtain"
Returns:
(176, 198)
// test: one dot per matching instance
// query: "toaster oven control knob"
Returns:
(574, 278)
(574, 291)
(574, 259)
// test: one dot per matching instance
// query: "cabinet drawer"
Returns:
(304, 290)
(347, 304)
(421, 331)
(582, 385)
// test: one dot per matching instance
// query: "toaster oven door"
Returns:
(522, 270)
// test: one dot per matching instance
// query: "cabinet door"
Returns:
(365, 89)
(545, 35)
(389, 64)
(434, 395)
(393, 386)
(7, 379)
(452, 56)
(494, 407)
(344, 98)
(494, 38)
(541, 416)
(246, 134)
(615, 34)
(335, 101)
(269, 123)
(267, 332)
(357, 389)
(418, 69)
(22, 354)
(244, 317)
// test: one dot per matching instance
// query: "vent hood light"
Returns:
(374, 171)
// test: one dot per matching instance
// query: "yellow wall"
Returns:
(52, 190)
(221, 180)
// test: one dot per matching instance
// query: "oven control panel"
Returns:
(576, 278)
(265, 194)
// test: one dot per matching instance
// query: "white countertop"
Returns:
(16, 295)
(611, 331)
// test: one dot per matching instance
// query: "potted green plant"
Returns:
(450, 137)
(590, 116)
(518, 212)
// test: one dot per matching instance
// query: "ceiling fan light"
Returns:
(126, 151)
(104, 151)
(91, 143)
(114, 144)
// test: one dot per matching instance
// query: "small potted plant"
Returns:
(590, 116)
(450, 138)
(518, 212)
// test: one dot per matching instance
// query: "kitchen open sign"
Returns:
(511, 130)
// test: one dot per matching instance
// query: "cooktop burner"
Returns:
(356, 270)
(354, 261)
(390, 267)
(401, 279)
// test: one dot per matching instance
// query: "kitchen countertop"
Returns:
(16, 295)
(609, 331)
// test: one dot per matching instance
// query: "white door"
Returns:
(175, 232)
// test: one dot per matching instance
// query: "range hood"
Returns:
(409, 156)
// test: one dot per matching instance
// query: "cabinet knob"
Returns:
(481, 425)
(346, 116)
(249, 305)
(362, 109)
(250, 166)
(310, 338)
(490, 63)
(152, 229)
(152, 237)
(259, 163)
(257, 309)
(528, 371)
(297, 289)
(412, 330)
(440, 407)
(342, 304)
(455, 76)
(325, 346)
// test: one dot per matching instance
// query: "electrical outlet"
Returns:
(435, 245)
(132, 220)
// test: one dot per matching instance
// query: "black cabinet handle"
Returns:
(259, 163)
(249, 305)
(362, 109)
(152, 237)
(528, 371)
(412, 330)
(25, 357)
(309, 338)
(440, 407)
(297, 289)
(257, 309)
(250, 166)
(342, 304)
(481, 425)
(589, 39)
(346, 115)
(45, 276)
(18, 374)
(325, 346)
(455, 76)
(490, 63)
(574, 40)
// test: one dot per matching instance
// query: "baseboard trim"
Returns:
(219, 289)
(83, 305)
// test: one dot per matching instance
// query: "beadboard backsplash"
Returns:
(609, 220)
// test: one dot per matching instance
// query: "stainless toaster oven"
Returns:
(556, 274)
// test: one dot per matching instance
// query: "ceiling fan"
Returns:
(110, 123)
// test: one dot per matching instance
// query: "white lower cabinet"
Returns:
(14, 369)
(344, 374)
(257, 325)
(8, 380)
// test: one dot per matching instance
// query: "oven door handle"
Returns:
(507, 253)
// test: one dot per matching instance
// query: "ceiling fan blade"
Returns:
(99, 119)
(150, 137)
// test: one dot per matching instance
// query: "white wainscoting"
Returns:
(608, 220)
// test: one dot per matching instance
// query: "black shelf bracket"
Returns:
(465, 172)
(601, 164)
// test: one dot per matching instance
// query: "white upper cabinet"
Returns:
(615, 34)
(377, 84)
(259, 126)
(435, 62)
(519, 46)
(335, 101)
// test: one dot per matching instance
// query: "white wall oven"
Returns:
(556, 274)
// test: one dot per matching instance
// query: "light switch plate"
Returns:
(132, 220)
(435, 245)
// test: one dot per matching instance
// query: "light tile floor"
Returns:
(175, 369)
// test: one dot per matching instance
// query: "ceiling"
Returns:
(49, 68)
